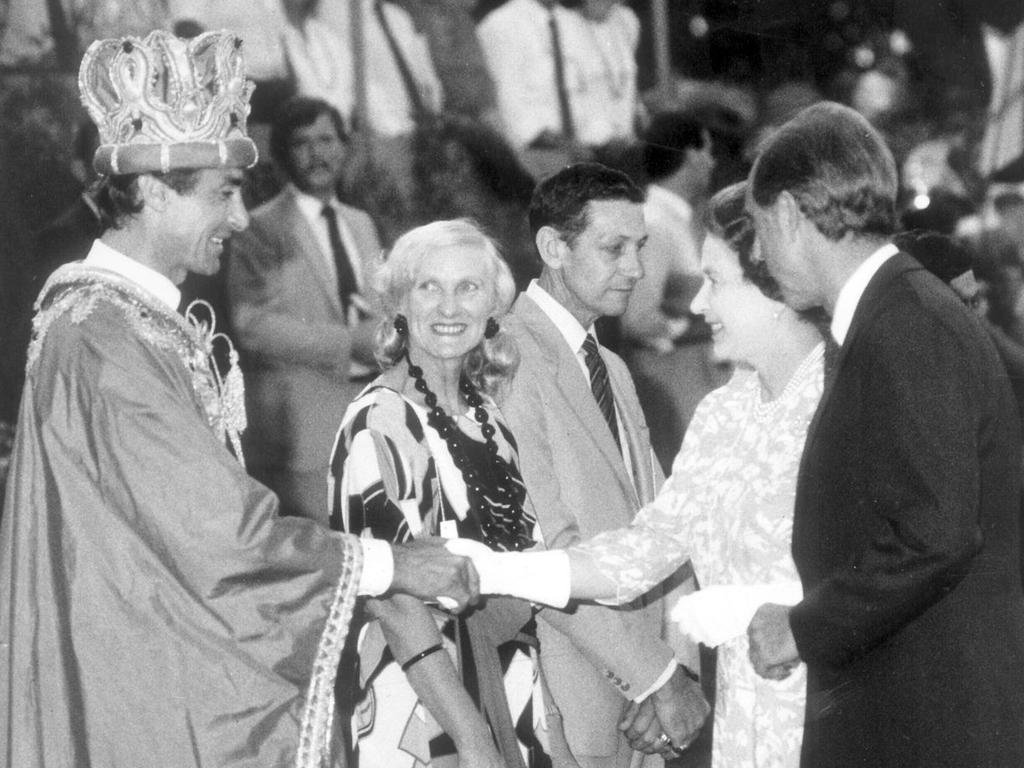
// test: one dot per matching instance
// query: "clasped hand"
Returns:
(426, 569)
(773, 650)
(668, 720)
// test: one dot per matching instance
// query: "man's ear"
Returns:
(154, 193)
(552, 248)
(790, 215)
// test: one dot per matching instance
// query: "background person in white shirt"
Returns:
(298, 307)
(606, 102)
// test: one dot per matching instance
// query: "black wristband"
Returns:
(421, 656)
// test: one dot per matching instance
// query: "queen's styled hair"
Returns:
(491, 363)
(726, 218)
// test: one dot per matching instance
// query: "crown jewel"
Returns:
(163, 102)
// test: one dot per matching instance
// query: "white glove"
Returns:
(716, 614)
(540, 576)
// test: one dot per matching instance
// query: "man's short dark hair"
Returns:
(666, 140)
(299, 112)
(560, 201)
(119, 198)
(87, 138)
(836, 166)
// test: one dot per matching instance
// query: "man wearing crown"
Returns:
(154, 607)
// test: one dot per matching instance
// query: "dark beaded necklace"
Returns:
(503, 524)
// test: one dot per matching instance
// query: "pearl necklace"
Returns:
(501, 519)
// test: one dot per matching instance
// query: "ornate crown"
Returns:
(164, 103)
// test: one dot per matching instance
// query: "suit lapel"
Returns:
(574, 387)
(865, 311)
(631, 431)
(306, 247)
(367, 249)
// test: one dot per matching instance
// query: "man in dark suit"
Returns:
(296, 283)
(906, 530)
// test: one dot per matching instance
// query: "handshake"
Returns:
(455, 572)
(539, 576)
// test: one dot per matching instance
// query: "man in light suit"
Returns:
(296, 282)
(588, 468)
(906, 527)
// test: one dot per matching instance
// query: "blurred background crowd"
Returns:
(457, 107)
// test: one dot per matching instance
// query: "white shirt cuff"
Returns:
(659, 681)
(378, 568)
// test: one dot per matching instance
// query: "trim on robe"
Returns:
(76, 289)
(317, 726)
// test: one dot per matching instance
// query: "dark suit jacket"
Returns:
(906, 536)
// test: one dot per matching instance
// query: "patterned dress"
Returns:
(729, 506)
(393, 478)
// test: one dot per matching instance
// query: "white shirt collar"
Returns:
(853, 289)
(666, 198)
(570, 328)
(311, 207)
(102, 256)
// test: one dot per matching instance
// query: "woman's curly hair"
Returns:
(491, 363)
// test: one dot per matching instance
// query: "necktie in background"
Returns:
(600, 385)
(346, 277)
(419, 109)
(568, 129)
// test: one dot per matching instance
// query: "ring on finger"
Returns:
(665, 740)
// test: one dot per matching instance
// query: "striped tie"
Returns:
(600, 385)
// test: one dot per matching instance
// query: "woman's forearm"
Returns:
(410, 629)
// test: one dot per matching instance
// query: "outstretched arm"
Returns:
(613, 567)
(616, 566)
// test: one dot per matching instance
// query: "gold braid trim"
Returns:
(317, 725)
(75, 290)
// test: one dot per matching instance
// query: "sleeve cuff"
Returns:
(539, 576)
(659, 681)
(378, 567)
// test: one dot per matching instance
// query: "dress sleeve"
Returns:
(377, 483)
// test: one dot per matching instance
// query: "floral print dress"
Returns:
(729, 505)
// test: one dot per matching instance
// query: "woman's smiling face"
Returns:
(739, 314)
(451, 297)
